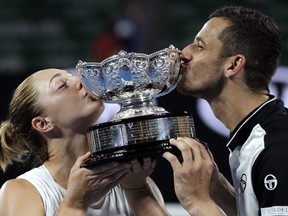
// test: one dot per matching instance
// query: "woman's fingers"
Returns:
(149, 163)
(81, 159)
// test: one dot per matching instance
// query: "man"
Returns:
(230, 64)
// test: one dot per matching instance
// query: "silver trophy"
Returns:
(140, 128)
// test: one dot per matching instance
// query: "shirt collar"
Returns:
(240, 134)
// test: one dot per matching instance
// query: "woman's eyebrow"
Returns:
(69, 72)
(55, 76)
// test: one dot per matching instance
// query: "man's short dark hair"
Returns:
(254, 35)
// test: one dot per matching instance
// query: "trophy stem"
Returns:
(139, 101)
(138, 109)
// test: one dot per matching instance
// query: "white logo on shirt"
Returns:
(243, 182)
(270, 182)
(274, 211)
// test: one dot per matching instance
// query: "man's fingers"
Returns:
(183, 145)
(172, 159)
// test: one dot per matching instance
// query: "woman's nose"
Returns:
(77, 82)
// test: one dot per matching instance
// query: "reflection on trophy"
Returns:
(140, 128)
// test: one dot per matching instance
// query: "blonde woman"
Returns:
(49, 115)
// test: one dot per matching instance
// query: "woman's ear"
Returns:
(42, 124)
(234, 64)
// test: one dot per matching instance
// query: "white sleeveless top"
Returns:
(52, 194)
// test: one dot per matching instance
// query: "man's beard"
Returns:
(209, 89)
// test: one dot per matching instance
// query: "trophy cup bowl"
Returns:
(140, 128)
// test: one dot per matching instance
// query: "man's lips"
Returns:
(183, 68)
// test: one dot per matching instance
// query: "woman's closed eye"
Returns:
(63, 84)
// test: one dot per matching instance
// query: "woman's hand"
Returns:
(88, 185)
(136, 179)
(142, 193)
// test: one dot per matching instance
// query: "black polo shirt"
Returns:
(259, 160)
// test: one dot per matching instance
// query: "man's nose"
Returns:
(185, 55)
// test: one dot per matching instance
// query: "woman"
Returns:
(50, 113)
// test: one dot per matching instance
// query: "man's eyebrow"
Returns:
(55, 76)
(199, 39)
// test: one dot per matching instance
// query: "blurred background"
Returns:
(57, 33)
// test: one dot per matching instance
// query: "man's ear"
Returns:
(42, 124)
(234, 64)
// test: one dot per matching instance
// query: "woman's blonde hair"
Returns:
(19, 141)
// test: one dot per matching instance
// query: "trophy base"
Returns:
(137, 137)
(152, 150)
